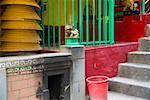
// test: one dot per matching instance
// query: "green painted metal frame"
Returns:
(143, 6)
(104, 21)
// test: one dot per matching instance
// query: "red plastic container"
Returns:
(98, 87)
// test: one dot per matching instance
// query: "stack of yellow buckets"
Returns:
(19, 26)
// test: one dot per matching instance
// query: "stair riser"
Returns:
(147, 30)
(141, 74)
(127, 89)
(144, 45)
(139, 58)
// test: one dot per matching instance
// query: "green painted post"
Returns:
(111, 20)
(53, 15)
(143, 7)
(87, 21)
(43, 31)
(81, 20)
(105, 19)
(66, 14)
(65, 11)
(40, 10)
(93, 22)
(99, 21)
(59, 27)
(49, 44)
(73, 12)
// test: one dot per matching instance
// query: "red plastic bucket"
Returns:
(98, 87)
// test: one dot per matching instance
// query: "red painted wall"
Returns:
(107, 58)
(130, 29)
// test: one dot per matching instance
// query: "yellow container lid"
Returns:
(20, 36)
(21, 24)
(19, 46)
(19, 12)
(21, 2)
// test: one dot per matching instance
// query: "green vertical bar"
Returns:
(59, 28)
(39, 11)
(48, 7)
(87, 22)
(93, 22)
(66, 14)
(81, 21)
(73, 13)
(99, 21)
(143, 6)
(105, 19)
(53, 15)
(65, 11)
(111, 20)
(43, 31)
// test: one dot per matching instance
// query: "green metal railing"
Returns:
(143, 6)
(93, 18)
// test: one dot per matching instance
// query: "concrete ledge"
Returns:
(44, 55)
(76, 51)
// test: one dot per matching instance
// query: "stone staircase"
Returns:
(133, 80)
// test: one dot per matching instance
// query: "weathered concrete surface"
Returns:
(135, 71)
(130, 87)
(139, 57)
(119, 96)
(77, 73)
(134, 76)
(144, 44)
(147, 29)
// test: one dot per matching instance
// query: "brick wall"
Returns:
(24, 87)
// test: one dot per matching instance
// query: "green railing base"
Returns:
(72, 41)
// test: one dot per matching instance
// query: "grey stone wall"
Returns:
(77, 86)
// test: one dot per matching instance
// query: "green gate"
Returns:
(93, 18)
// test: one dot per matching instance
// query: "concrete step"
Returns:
(130, 87)
(144, 44)
(140, 57)
(135, 71)
(147, 30)
(120, 96)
